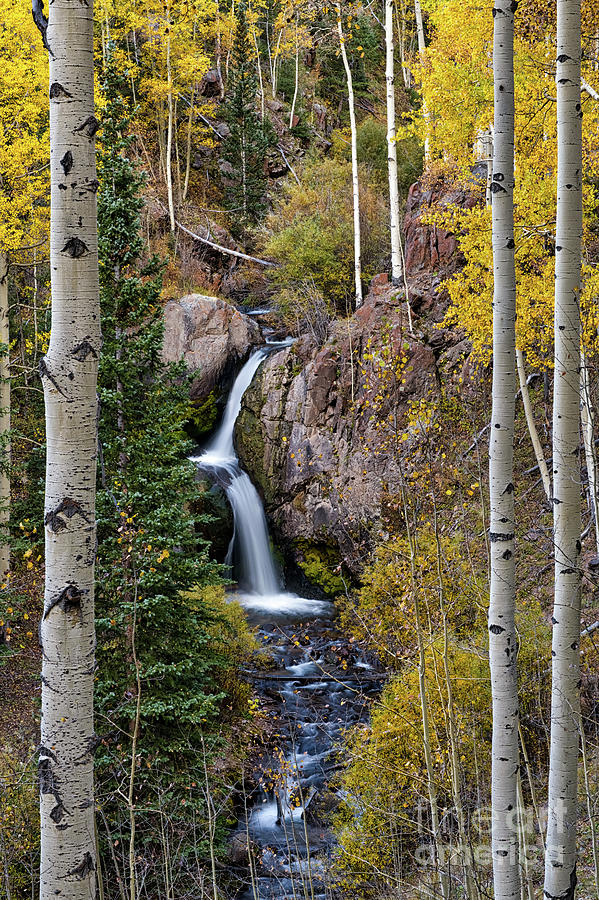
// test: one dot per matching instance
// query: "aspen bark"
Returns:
(296, 89)
(354, 163)
(421, 53)
(560, 856)
(169, 134)
(4, 422)
(396, 267)
(532, 428)
(69, 374)
(505, 749)
(587, 420)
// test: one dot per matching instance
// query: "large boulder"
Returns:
(211, 336)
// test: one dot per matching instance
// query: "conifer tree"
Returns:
(155, 673)
(245, 147)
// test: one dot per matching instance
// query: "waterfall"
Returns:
(250, 545)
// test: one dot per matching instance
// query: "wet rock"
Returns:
(210, 335)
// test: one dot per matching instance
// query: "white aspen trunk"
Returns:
(401, 28)
(69, 373)
(354, 163)
(505, 751)
(218, 53)
(275, 66)
(292, 113)
(4, 422)
(560, 856)
(587, 420)
(188, 148)
(532, 428)
(421, 53)
(396, 266)
(169, 135)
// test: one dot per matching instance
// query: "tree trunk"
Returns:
(354, 163)
(396, 267)
(505, 750)
(587, 419)
(292, 113)
(169, 136)
(421, 52)
(560, 856)
(532, 428)
(4, 423)
(69, 373)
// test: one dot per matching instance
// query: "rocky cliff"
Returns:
(321, 427)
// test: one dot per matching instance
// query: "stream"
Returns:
(320, 686)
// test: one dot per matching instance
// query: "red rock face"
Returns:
(427, 246)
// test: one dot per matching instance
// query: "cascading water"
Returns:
(258, 579)
(315, 705)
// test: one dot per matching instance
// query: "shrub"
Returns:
(310, 233)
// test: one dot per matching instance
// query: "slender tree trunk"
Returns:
(4, 422)
(532, 428)
(69, 373)
(587, 419)
(169, 136)
(421, 53)
(502, 605)
(354, 163)
(188, 148)
(560, 856)
(292, 113)
(396, 267)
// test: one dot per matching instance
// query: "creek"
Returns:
(320, 685)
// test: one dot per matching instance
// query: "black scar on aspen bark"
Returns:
(46, 373)
(563, 57)
(85, 867)
(75, 248)
(509, 489)
(498, 176)
(37, 11)
(496, 188)
(511, 244)
(67, 162)
(553, 620)
(494, 537)
(62, 187)
(68, 600)
(507, 555)
(92, 186)
(83, 350)
(58, 92)
(69, 508)
(496, 629)
(89, 127)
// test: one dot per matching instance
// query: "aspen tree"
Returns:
(354, 162)
(396, 265)
(421, 52)
(69, 374)
(502, 630)
(560, 855)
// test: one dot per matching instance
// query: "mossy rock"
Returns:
(321, 565)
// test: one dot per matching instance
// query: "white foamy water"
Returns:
(261, 591)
